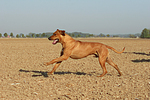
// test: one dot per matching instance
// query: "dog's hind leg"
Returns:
(102, 60)
(110, 62)
(102, 63)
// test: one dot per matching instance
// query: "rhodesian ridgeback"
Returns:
(76, 50)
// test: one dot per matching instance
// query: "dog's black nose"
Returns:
(49, 38)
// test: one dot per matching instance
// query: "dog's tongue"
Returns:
(55, 41)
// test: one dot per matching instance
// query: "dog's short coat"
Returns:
(77, 49)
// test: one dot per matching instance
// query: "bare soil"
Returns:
(23, 77)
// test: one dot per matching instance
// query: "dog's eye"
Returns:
(54, 34)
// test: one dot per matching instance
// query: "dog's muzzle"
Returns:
(55, 41)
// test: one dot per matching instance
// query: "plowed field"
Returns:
(22, 76)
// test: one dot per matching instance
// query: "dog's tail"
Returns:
(115, 49)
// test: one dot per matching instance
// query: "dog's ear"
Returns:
(62, 33)
(57, 29)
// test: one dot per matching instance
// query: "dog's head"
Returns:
(57, 36)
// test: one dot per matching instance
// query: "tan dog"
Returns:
(77, 49)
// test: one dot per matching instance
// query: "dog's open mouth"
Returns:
(55, 41)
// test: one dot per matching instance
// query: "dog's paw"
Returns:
(45, 64)
(50, 73)
(120, 74)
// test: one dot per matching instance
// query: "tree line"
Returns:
(144, 34)
(45, 35)
(21, 35)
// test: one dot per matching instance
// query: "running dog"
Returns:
(76, 50)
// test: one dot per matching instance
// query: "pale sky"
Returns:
(89, 16)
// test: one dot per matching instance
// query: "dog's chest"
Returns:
(75, 57)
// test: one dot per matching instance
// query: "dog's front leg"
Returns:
(55, 67)
(57, 60)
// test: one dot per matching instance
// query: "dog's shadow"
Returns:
(40, 73)
(142, 60)
(139, 60)
(45, 74)
(137, 53)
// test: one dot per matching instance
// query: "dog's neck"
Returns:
(67, 40)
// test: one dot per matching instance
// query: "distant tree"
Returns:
(17, 36)
(91, 35)
(132, 36)
(87, 35)
(23, 36)
(37, 35)
(102, 35)
(72, 35)
(28, 36)
(115, 36)
(79, 35)
(145, 33)
(33, 35)
(0, 35)
(43, 35)
(11, 34)
(108, 35)
(5, 34)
